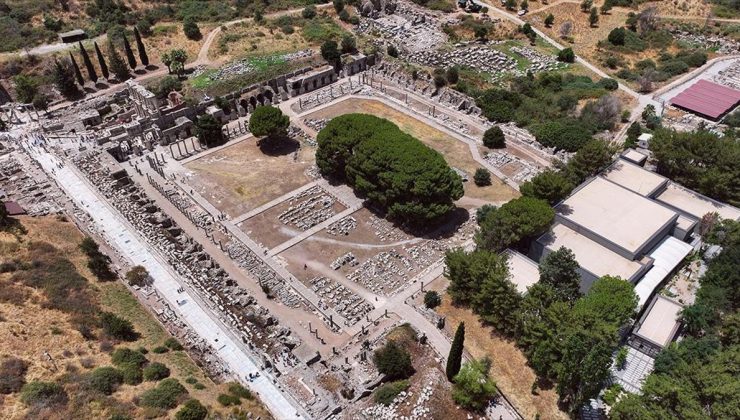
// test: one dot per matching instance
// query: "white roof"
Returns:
(591, 256)
(695, 204)
(523, 272)
(633, 155)
(645, 137)
(660, 324)
(616, 214)
(667, 256)
(633, 177)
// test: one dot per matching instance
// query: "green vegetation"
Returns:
(228, 400)
(454, 359)
(117, 327)
(137, 276)
(700, 160)
(104, 380)
(697, 376)
(155, 371)
(387, 392)
(393, 170)
(130, 363)
(551, 186)
(12, 375)
(268, 121)
(191, 410)
(173, 344)
(482, 177)
(208, 130)
(559, 270)
(238, 390)
(432, 299)
(39, 393)
(473, 387)
(166, 395)
(514, 224)
(393, 361)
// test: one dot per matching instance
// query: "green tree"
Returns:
(64, 79)
(330, 52)
(617, 36)
(514, 224)
(510, 5)
(593, 17)
(393, 361)
(191, 410)
(91, 74)
(76, 68)
(268, 121)
(155, 371)
(349, 44)
(432, 299)
(338, 5)
(191, 29)
(208, 130)
(548, 185)
(104, 379)
(137, 276)
(43, 394)
(175, 60)
(606, 7)
(117, 327)
(452, 75)
(481, 32)
(586, 5)
(482, 177)
(497, 300)
(40, 101)
(633, 132)
(143, 57)
(117, 66)
(473, 387)
(524, 5)
(454, 359)
(26, 88)
(590, 159)
(101, 61)
(392, 51)
(129, 52)
(549, 20)
(559, 269)
(494, 138)
(309, 12)
(566, 55)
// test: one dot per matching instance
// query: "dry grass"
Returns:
(455, 152)
(246, 38)
(510, 370)
(27, 330)
(169, 36)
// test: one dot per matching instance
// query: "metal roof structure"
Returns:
(707, 99)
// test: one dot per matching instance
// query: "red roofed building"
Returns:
(707, 99)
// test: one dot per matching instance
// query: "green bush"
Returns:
(494, 138)
(104, 380)
(387, 392)
(566, 55)
(192, 410)
(228, 400)
(564, 134)
(432, 299)
(117, 327)
(393, 361)
(39, 393)
(155, 371)
(238, 390)
(132, 375)
(609, 84)
(482, 177)
(125, 356)
(173, 344)
(164, 396)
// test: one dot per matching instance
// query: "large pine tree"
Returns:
(76, 68)
(64, 79)
(88, 64)
(117, 66)
(454, 359)
(141, 48)
(129, 53)
(101, 61)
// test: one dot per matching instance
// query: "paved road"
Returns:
(123, 237)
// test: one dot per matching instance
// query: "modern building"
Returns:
(707, 99)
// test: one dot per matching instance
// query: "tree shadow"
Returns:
(278, 145)
(442, 228)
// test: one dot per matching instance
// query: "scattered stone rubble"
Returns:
(723, 45)
(257, 328)
(247, 65)
(345, 302)
(309, 208)
(729, 76)
(342, 226)
(479, 57)
(35, 194)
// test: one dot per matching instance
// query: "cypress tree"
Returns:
(129, 53)
(101, 61)
(141, 48)
(76, 68)
(88, 64)
(454, 360)
(117, 66)
(63, 79)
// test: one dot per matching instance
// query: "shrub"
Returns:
(39, 393)
(566, 55)
(617, 36)
(387, 392)
(192, 410)
(565, 135)
(494, 138)
(191, 29)
(12, 375)
(117, 327)
(138, 276)
(609, 84)
(104, 380)
(393, 361)
(239, 391)
(482, 177)
(514, 223)
(125, 356)
(165, 396)
(228, 400)
(309, 12)
(473, 388)
(432, 299)
(160, 350)
(132, 374)
(155, 371)
(173, 344)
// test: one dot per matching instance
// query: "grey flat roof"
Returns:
(591, 256)
(523, 272)
(694, 203)
(634, 178)
(616, 214)
(660, 323)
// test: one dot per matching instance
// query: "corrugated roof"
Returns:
(13, 208)
(707, 98)
(667, 256)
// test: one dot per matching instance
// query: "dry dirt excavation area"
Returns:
(345, 276)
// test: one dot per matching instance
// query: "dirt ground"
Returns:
(510, 370)
(242, 176)
(169, 36)
(28, 330)
(455, 152)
